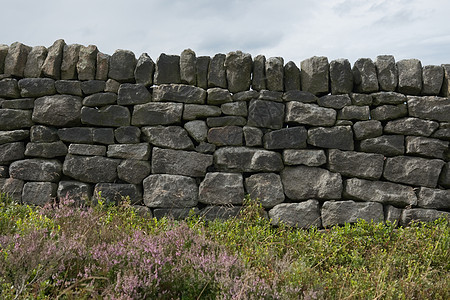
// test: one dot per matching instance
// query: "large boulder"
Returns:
(341, 212)
(302, 215)
(16, 59)
(36, 169)
(222, 188)
(91, 168)
(242, 159)
(57, 110)
(179, 162)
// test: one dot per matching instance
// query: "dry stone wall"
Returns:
(319, 143)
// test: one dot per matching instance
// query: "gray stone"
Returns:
(13, 136)
(388, 145)
(103, 136)
(341, 77)
(12, 187)
(216, 74)
(387, 72)
(57, 110)
(252, 136)
(102, 67)
(291, 77)
(175, 213)
(76, 191)
(127, 134)
(225, 136)
(430, 108)
(356, 164)
(196, 111)
(409, 76)
(344, 123)
(444, 178)
(88, 150)
(442, 133)
(307, 157)
(46, 150)
(445, 90)
(9, 88)
(93, 86)
(129, 151)
(365, 76)
(259, 73)
(271, 95)
(274, 74)
(354, 112)
(301, 215)
(242, 159)
(174, 137)
(422, 146)
(131, 94)
(268, 114)
(340, 137)
(117, 193)
(245, 96)
(167, 69)
(100, 99)
(309, 114)
(361, 99)
(235, 109)
(421, 215)
(11, 119)
(87, 62)
(392, 214)
(179, 93)
(122, 65)
(36, 87)
(16, 59)
(367, 129)
(334, 101)
(112, 86)
(315, 75)
(3, 173)
(133, 171)
(201, 67)
(226, 121)
(389, 112)
(341, 212)
(433, 198)
(161, 190)
(413, 170)
(81, 135)
(303, 182)
(23, 103)
(111, 116)
(35, 60)
(197, 129)
(217, 212)
(221, 188)
(300, 96)
(379, 191)
(218, 96)
(205, 148)
(187, 67)
(36, 169)
(91, 169)
(38, 193)
(52, 64)
(179, 162)
(157, 114)
(432, 77)
(69, 61)
(11, 152)
(292, 137)
(238, 67)
(388, 98)
(69, 87)
(411, 126)
(145, 68)
(3, 53)
(266, 188)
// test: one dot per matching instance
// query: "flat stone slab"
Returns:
(411, 126)
(341, 212)
(423, 146)
(301, 215)
(339, 137)
(46, 150)
(179, 93)
(36, 169)
(243, 159)
(309, 114)
(356, 164)
(139, 151)
(290, 138)
(179, 162)
(222, 188)
(388, 145)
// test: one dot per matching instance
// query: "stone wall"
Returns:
(319, 144)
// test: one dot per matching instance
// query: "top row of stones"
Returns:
(235, 71)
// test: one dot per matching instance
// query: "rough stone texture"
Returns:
(9, 88)
(356, 164)
(334, 101)
(388, 98)
(92, 169)
(112, 86)
(111, 116)
(179, 93)
(81, 135)
(103, 136)
(216, 74)
(35, 60)
(167, 69)
(145, 68)
(88, 150)
(421, 215)
(11, 119)
(303, 182)
(235, 109)
(218, 96)
(179, 162)
(301, 215)
(422, 146)
(340, 137)
(69, 62)
(52, 64)
(76, 191)
(430, 108)
(13, 136)
(315, 75)
(389, 112)
(36, 169)
(442, 132)
(187, 67)
(259, 73)
(38, 193)
(413, 170)
(300, 96)
(175, 213)
(207, 148)
(3, 53)
(46, 150)
(409, 76)
(387, 72)
(361, 99)
(392, 214)
(100, 99)
(365, 76)
(226, 121)
(69, 87)
(354, 112)
(93, 86)
(367, 129)
(341, 212)
(133, 171)
(201, 69)
(169, 191)
(174, 137)
(157, 114)
(388, 145)
(252, 136)
(23, 103)
(411, 126)
(432, 77)
(11, 152)
(268, 114)
(117, 193)
(127, 134)
(238, 67)
(379, 191)
(129, 151)
(12, 187)
(221, 188)
(225, 136)
(87, 62)
(271, 95)
(291, 77)
(16, 59)
(341, 77)
(293, 138)
(445, 90)
(131, 94)
(444, 178)
(242, 159)
(57, 110)
(197, 129)
(307, 157)
(274, 74)
(122, 65)
(36, 87)
(217, 212)
(309, 114)
(433, 198)
(102, 66)
(266, 187)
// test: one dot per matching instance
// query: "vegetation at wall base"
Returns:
(65, 252)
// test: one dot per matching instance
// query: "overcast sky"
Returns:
(292, 29)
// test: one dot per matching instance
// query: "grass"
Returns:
(67, 252)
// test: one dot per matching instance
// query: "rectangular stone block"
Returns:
(341, 212)
(356, 164)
